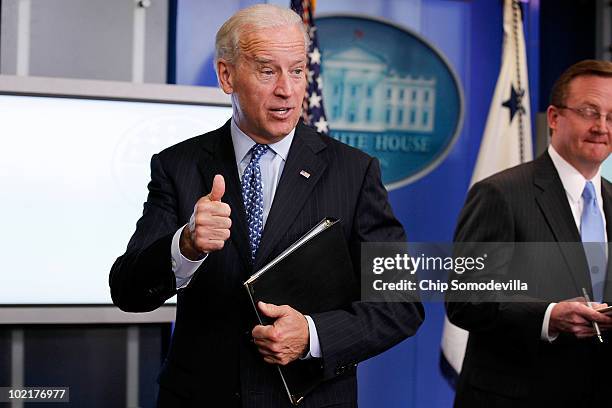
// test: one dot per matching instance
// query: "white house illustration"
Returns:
(361, 92)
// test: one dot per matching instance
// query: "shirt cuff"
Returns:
(314, 350)
(544, 334)
(182, 267)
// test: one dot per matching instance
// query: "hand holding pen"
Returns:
(593, 322)
(576, 317)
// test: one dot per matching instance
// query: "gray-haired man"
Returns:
(223, 204)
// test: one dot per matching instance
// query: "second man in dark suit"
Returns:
(542, 350)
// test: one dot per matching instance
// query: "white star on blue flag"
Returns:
(313, 108)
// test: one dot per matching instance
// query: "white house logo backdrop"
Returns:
(389, 93)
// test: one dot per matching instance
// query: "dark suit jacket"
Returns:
(211, 357)
(506, 363)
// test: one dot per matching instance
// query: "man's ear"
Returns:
(552, 115)
(225, 73)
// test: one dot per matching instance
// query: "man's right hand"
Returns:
(574, 316)
(209, 226)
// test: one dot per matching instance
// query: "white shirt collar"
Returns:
(573, 181)
(243, 143)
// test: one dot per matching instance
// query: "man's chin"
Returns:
(595, 159)
(599, 153)
(280, 130)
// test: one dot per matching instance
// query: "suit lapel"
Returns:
(552, 200)
(606, 192)
(293, 188)
(219, 158)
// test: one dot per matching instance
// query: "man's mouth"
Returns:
(280, 112)
(601, 142)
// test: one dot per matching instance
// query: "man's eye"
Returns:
(267, 72)
(591, 113)
(298, 71)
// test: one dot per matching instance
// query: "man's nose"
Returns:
(602, 124)
(284, 87)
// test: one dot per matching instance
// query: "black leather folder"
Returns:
(313, 275)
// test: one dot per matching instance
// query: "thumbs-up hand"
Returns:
(209, 225)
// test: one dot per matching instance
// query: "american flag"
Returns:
(313, 110)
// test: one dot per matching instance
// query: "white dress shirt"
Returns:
(573, 183)
(272, 164)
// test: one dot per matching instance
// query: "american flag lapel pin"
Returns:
(305, 174)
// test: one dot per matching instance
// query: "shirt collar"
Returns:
(573, 181)
(243, 143)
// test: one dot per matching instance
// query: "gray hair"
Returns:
(249, 19)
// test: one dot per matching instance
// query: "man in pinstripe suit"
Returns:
(544, 351)
(193, 236)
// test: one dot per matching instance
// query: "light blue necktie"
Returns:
(592, 233)
(253, 197)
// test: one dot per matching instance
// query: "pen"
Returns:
(595, 325)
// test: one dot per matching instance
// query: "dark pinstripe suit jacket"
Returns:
(211, 357)
(506, 364)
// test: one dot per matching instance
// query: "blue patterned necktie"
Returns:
(592, 233)
(253, 198)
